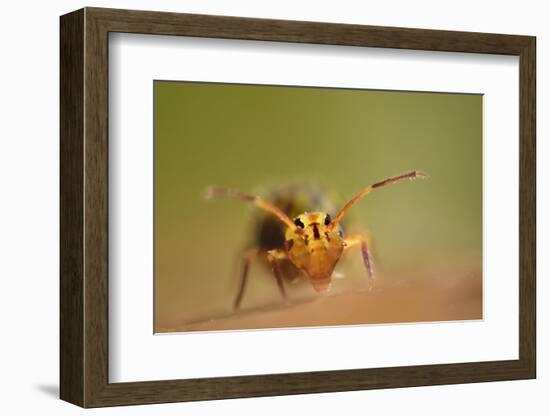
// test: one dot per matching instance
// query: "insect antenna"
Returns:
(219, 192)
(410, 175)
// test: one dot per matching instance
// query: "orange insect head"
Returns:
(314, 248)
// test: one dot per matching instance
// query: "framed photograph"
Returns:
(255, 207)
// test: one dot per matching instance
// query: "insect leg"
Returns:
(247, 256)
(274, 256)
(358, 239)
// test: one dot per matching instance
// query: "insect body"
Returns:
(313, 241)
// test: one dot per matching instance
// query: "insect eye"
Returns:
(328, 220)
(298, 222)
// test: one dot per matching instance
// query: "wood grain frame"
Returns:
(84, 207)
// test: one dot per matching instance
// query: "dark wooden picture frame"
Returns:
(84, 207)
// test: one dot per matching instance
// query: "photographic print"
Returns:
(292, 206)
(295, 188)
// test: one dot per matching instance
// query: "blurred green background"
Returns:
(250, 136)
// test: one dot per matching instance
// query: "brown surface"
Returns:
(84, 271)
(419, 300)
